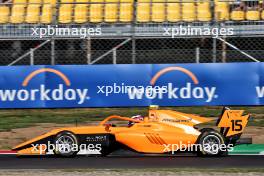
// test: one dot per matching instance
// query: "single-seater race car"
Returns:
(161, 132)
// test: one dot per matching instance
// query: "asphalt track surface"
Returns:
(84, 162)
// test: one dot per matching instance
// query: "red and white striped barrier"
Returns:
(7, 152)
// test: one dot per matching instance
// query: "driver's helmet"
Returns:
(136, 117)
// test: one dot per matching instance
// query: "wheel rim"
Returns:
(65, 144)
(211, 144)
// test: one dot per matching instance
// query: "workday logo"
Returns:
(61, 92)
(190, 90)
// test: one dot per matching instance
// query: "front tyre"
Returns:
(211, 143)
(66, 144)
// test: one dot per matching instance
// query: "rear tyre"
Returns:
(212, 143)
(66, 144)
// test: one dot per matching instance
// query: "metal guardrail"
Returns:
(239, 50)
(113, 50)
(31, 53)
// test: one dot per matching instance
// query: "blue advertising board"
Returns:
(131, 85)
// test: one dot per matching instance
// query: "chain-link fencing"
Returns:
(126, 51)
(131, 31)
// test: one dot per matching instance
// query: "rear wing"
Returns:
(232, 122)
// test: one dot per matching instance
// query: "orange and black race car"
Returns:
(161, 132)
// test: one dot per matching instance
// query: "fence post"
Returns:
(197, 55)
(89, 54)
(133, 50)
(31, 56)
(114, 56)
(215, 23)
(133, 33)
(52, 52)
(214, 50)
(224, 50)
